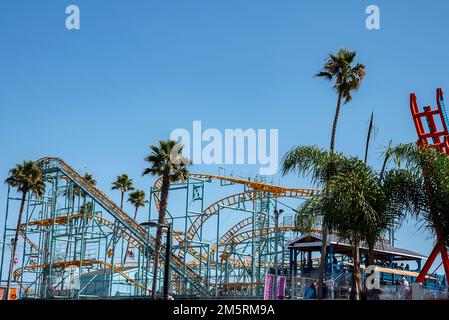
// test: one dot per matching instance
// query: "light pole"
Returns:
(8, 286)
(167, 254)
(276, 226)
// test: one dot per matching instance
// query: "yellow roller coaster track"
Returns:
(121, 232)
(253, 233)
(49, 222)
(76, 263)
(137, 230)
(255, 185)
(240, 198)
(261, 191)
(213, 209)
(92, 189)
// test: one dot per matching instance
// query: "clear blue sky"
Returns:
(136, 70)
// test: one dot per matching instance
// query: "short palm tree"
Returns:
(77, 191)
(166, 162)
(25, 177)
(366, 205)
(350, 195)
(137, 199)
(428, 195)
(124, 184)
(87, 208)
(342, 205)
(73, 194)
(357, 202)
(90, 178)
(319, 165)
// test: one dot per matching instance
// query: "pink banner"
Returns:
(268, 290)
(281, 288)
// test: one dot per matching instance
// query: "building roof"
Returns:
(312, 242)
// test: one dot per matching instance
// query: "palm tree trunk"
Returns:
(334, 125)
(115, 227)
(14, 246)
(162, 210)
(325, 227)
(67, 249)
(127, 246)
(370, 257)
(323, 259)
(356, 276)
(370, 293)
(121, 201)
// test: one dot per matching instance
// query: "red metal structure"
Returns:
(439, 139)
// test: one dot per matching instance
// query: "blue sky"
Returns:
(98, 96)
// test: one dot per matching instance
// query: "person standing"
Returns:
(330, 285)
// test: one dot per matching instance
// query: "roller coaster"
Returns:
(79, 245)
(76, 243)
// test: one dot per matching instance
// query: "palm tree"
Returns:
(392, 206)
(347, 77)
(25, 177)
(124, 184)
(85, 208)
(319, 165)
(428, 196)
(73, 193)
(166, 162)
(358, 203)
(89, 178)
(137, 199)
(349, 194)
(366, 205)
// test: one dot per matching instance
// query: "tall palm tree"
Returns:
(166, 162)
(137, 199)
(124, 184)
(347, 79)
(25, 177)
(85, 208)
(428, 196)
